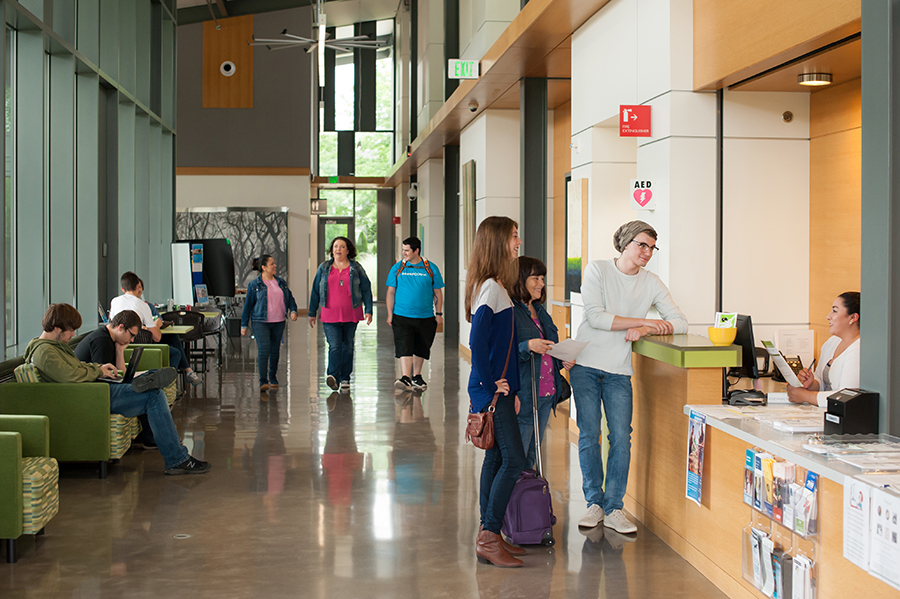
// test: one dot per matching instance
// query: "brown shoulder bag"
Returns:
(480, 426)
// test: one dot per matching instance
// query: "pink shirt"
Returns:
(275, 311)
(339, 307)
(546, 384)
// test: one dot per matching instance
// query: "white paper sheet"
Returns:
(567, 350)
(856, 522)
(884, 556)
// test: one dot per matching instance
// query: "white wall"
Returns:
(492, 141)
(430, 57)
(205, 191)
(640, 52)
(430, 210)
(481, 22)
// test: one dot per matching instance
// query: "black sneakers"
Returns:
(157, 379)
(418, 383)
(403, 382)
(190, 466)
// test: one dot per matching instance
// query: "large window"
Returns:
(362, 206)
(10, 195)
(371, 154)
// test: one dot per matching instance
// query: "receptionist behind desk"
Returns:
(838, 366)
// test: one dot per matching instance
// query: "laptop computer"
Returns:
(129, 370)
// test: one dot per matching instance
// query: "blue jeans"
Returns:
(590, 388)
(268, 349)
(526, 425)
(126, 401)
(503, 463)
(340, 348)
(177, 355)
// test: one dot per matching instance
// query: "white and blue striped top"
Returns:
(493, 325)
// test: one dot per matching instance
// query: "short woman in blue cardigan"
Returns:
(495, 369)
(536, 334)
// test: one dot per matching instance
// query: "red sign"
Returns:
(396, 220)
(634, 121)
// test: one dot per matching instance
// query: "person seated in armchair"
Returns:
(57, 363)
(131, 299)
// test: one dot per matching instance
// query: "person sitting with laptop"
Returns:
(57, 363)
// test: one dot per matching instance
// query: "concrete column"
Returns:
(431, 210)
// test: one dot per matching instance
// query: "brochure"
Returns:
(696, 442)
(885, 531)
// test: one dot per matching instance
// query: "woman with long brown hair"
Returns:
(495, 371)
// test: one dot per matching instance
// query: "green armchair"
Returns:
(29, 479)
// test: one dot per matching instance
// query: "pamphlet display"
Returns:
(696, 443)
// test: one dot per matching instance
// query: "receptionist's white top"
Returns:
(844, 372)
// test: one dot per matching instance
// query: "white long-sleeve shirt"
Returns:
(844, 372)
(608, 292)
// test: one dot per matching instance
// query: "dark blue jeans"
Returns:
(340, 337)
(126, 401)
(268, 349)
(503, 463)
(177, 355)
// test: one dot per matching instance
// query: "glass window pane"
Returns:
(10, 196)
(384, 79)
(340, 201)
(366, 232)
(328, 142)
(373, 154)
(344, 83)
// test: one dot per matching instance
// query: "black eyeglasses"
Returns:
(644, 246)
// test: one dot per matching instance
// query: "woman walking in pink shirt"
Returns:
(343, 289)
(268, 303)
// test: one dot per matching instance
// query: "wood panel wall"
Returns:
(228, 43)
(562, 164)
(835, 199)
(734, 40)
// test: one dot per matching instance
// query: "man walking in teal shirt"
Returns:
(414, 303)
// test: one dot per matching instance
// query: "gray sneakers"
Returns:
(156, 379)
(592, 517)
(619, 522)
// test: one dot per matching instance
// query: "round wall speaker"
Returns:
(227, 68)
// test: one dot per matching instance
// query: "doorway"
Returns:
(331, 227)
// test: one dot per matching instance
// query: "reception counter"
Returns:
(672, 373)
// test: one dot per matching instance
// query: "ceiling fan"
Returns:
(319, 42)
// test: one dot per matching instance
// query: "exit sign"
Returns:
(462, 69)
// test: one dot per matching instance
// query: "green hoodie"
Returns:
(57, 362)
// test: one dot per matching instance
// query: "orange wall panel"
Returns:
(835, 199)
(733, 40)
(228, 44)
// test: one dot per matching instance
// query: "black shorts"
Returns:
(413, 336)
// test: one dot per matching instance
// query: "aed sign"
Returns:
(634, 121)
(642, 197)
(462, 69)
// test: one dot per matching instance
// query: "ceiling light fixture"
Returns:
(814, 79)
(320, 42)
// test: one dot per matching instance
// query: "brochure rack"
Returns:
(779, 555)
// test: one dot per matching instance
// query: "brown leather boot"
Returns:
(488, 550)
(510, 549)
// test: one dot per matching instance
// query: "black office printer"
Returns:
(852, 412)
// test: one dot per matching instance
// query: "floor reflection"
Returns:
(320, 495)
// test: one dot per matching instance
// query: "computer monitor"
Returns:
(744, 338)
(218, 266)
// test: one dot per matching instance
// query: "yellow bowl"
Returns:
(722, 336)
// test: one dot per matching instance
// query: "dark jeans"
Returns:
(268, 349)
(503, 463)
(177, 355)
(340, 348)
(126, 401)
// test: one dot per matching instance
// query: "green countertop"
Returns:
(688, 351)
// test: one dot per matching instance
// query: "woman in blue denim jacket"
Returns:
(536, 334)
(267, 309)
(342, 288)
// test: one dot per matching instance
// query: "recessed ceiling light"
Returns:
(814, 79)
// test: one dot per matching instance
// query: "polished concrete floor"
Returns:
(322, 495)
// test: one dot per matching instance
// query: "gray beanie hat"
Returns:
(627, 232)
